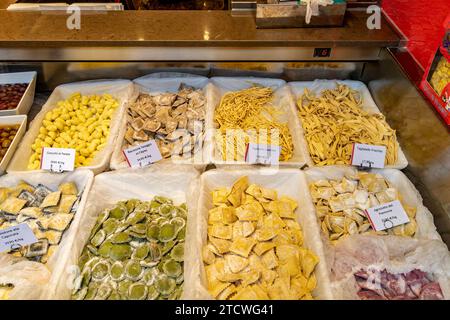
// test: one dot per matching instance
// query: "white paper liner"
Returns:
(119, 89)
(282, 100)
(177, 183)
(153, 86)
(317, 86)
(289, 182)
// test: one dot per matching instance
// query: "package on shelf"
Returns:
(436, 80)
(119, 90)
(155, 86)
(285, 114)
(175, 182)
(83, 180)
(286, 182)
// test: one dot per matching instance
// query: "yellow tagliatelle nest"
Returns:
(248, 116)
(255, 246)
(335, 121)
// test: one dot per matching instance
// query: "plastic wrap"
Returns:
(28, 278)
(394, 254)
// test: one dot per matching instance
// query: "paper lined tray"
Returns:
(410, 195)
(155, 85)
(175, 182)
(83, 179)
(20, 120)
(27, 99)
(289, 182)
(119, 89)
(396, 255)
(283, 102)
(368, 105)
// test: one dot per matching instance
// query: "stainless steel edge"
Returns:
(185, 54)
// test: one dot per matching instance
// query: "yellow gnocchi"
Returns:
(81, 122)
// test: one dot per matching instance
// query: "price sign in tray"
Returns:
(58, 159)
(369, 156)
(143, 154)
(16, 237)
(262, 154)
(387, 215)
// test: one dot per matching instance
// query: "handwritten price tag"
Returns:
(58, 159)
(387, 215)
(262, 154)
(143, 154)
(16, 237)
(365, 155)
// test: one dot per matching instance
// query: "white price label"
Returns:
(16, 237)
(58, 159)
(143, 154)
(366, 155)
(387, 215)
(262, 154)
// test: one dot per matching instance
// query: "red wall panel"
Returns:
(422, 22)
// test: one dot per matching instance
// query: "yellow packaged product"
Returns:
(441, 76)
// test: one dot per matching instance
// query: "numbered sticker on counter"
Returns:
(15, 237)
(58, 159)
(262, 154)
(142, 155)
(387, 215)
(369, 156)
